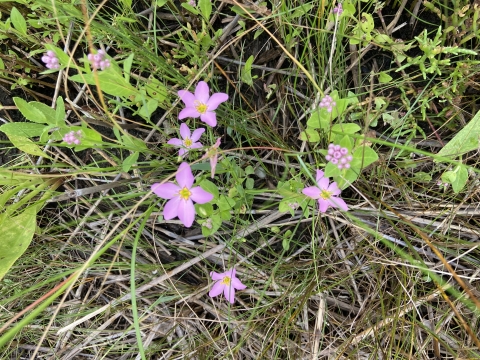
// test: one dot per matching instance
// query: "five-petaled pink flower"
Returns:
(188, 140)
(212, 154)
(181, 197)
(227, 283)
(201, 104)
(325, 193)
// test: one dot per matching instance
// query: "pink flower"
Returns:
(227, 283)
(338, 156)
(201, 104)
(98, 60)
(50, 59)
(212, 153)
(325, 193)
(73, 137)
(189, 140)
(181, 197)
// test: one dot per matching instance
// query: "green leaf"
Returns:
(363, 156)
(383, 77)
(50, 116)
(22, 129)
(148, 108)
(310, 135)
(18, 21)
(160, 3)
(110, 82)
(246, 72)
(225, 203)
(205, 8)
(17, 233)
(60, 113)
(346, 128)
(127, 66)
(460, 179)
(190, 8)
(467, 139)
(156, 89)
(30, 112)
(210, 187)
(26, 145)
(319, 119)
(130, 161)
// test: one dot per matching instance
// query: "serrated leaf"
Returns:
(25, 129)
(467, 139)
(17, 233)
(30, 112)
(26, 145)
(18, 21)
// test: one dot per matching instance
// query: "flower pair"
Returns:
(98, 60)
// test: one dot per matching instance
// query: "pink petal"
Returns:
(170, 210)
(229, 292)
(216, 289)
(237, 284)
(209, 118)
(230, 273)
(200, 196)
(188, 112)
(202, 92)
(182, 152)
(333, 189)
(197, 133)
(213, 164)
(215, 100)
(187, 97)
(165, 191)
(312, 192)
(184, 131)
(323, 183)
(196, 145)
(319, 175)
(323, 205)
(184, 176)
(175, 141)
(186, 212)
(339, 203)
(216, 276)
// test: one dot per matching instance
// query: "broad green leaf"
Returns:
(130, 161)
(319, 119)
(467, 139)
(10, 178)
(50, 116)
(26, 145)
(127, 66)
(365, 156)
(246, 72)
(383, 77)
(215, 221)
(458, 178)
(225, 203)
(346, 128)
(30, 112)
(18, 21)
(26, 129)
(210, 187)
(148, 108)
(156, 89)
(310, 135)
(60, 113)
(110, 82)
(17, 233)
(190, 8)
(205, 8)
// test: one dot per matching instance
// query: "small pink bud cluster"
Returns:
(73, 137)
(328, 103)
(339, 156)
(338, 9)
(98, 60)
(50, 60)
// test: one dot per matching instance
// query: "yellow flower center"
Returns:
(185, 193)
(187, 142)
(324, 194)
(201, 107)
(226, 281)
